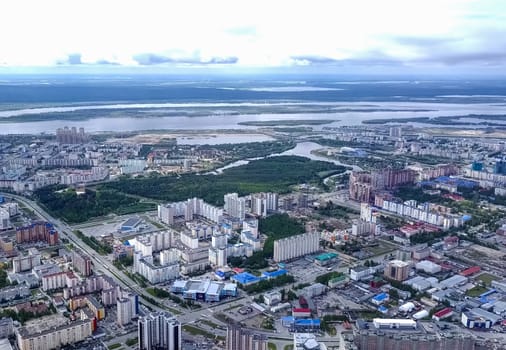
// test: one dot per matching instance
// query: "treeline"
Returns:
(74, 208)
(325, 278)
(276, 227)
(264, 285)
(336, 210)
(274, 174)
(254, 149)
(4, 282)
(256, 261)
(22, 316)
(100, 248)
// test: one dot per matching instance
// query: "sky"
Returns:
(310, 35)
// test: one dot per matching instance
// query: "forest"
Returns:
(273, 174)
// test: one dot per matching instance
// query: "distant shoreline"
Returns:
(445, 120)
(295, 122)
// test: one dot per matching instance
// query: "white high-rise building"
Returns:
(219, 240)
(218, 256)
(395, 131)
(189, 208)
(251, 226)
(235, 206)
(145, 267)
(5, 221)
(264, 203)
(296, 246)
(169, 256)
(159, 330)
(124, 311)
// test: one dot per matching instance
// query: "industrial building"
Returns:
(380, 298)
(326, 259)
(272, 298)
(478, 318)
(428, 267)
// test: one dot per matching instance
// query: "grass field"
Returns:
(487, 278)
(476, 291)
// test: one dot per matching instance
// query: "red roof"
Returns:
(470, 271)
(443, 312)
(300, 309)
(237, 270)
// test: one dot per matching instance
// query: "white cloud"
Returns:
(258, 33)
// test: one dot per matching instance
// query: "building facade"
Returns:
(296, 246)
(159, 330)
(243, 339)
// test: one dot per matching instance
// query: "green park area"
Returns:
(127, 195)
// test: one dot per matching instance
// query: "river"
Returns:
(302, 149)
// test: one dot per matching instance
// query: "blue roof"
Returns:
(276, 273)
(383, 308)
(458, 182)
(308, 322)
(220, 273)
(380, 297)
(288, 319)
(245, 278)
(487, 293)
(467, 217)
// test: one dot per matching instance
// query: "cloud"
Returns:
(486, 58)
(147, 59)
(71, 59)
(242, 31)
(424, 42)
(310, 59)
(223, 60)
(107, 63)
(367, 58)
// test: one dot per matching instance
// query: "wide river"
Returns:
(351, 114)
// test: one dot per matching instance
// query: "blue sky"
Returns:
(343, 36)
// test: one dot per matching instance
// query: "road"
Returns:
(98, 261)
(108, 268)
(185, 316)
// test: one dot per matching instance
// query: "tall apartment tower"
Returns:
(235, 206)
(124, 311)
(159, 330)
(242, 339)
(296, 246)
(81, 262)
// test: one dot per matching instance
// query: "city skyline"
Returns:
(363, 37)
